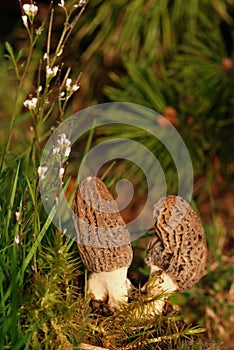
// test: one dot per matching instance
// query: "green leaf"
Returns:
(19, 54)
(10, 50)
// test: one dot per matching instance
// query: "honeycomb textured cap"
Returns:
(179, 245)
(106, 259)
(102, 236)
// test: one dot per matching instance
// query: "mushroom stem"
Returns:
(113, 286)
(158, 283)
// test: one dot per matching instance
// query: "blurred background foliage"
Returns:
(176, 57)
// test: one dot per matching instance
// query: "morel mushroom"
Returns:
(103, 242)
(177, 253)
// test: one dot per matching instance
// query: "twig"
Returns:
(84, 346)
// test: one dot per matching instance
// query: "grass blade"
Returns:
(38, 241)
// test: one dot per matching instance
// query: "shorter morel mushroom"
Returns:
(103, 242)
(177, 253)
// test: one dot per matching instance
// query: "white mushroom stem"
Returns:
(113, 286)
(159, 282)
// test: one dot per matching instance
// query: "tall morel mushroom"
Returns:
(177, 253)
(103, 242)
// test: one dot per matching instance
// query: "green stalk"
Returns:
(37, 243)
(12, 198)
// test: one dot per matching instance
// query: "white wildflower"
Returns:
(68, 83)
(62, 3)
(71, 88)
(39, 89)
(82, 2)
(51, 72)
(67, 143)
(17, 215)
(42, 172)
(62, 95)
(75, 87)
(63, 139)
(45, 56)
(31, 103)
(67, 151)
(64, 144)
(25, 20)
(61, 172)
(56, 150)
(17, 239)
(30, 9)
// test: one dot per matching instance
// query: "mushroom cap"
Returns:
(179, 246)
(102, 236)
